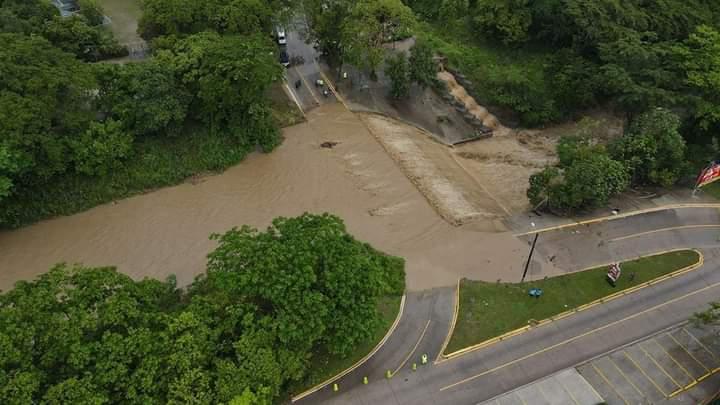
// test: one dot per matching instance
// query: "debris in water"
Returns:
(329, 144)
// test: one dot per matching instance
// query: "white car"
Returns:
(281, 38)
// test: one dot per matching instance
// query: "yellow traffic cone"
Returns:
(414, 366)
(335, 387)
(423, 359)
(365, 380)
(388, 374)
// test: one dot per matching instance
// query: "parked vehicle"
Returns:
(280, 35)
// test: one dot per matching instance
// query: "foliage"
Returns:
(186, 17)
(653, 149)
(637, 55)
(229, 77)
(507, 20)
(398, 71)
(101, 148)
(155, 162)
(44, 97)
(73, 34)
(370, 24)
(63, 120)
(586, 177)
(423, 69)
(147, 98)
(452, 10)
(701, 61)
(238, 335)
(92, 11)
(79, 34)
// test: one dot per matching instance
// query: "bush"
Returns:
(398, 71)
(652, 149)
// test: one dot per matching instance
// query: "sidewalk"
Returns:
(628, 203)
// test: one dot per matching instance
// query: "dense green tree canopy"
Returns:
(237, 335)
(372, 23)
(653, 149)
(79, 34)
(185, 17)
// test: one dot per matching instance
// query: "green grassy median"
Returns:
(491, 309)
(324, 366)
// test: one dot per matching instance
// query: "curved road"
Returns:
(488, 372)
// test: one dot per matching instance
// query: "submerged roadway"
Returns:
(490, 371)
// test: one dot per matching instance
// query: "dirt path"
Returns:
(166, 232)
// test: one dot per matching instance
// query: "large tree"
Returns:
(45, 97)
(371, 24)
(238, 335)
(652, 149)
(228, 77)
(701, 60)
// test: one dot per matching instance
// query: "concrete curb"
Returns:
(608, 298)
(359, 362)
(456, 307)
(620, 216)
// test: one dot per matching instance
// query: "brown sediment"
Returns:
(166, 231)
(471, 105)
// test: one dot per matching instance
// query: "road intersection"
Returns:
(506, 365)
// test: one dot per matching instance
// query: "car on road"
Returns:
(284, 58)
(280, 35)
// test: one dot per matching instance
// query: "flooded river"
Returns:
(166, 231)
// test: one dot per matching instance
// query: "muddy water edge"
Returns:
(166, 232)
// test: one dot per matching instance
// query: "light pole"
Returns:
(527, 264)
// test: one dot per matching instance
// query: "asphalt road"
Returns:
(302, 78)
(512, 363)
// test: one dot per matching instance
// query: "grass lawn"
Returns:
(324, 366)
(284, 109)
(491, 309)
(712, 189)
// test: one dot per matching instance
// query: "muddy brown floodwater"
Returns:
(166, 231)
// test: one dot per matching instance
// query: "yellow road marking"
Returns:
(619, 216)
(359, 362)
(672, 228)
(332, 88)
(643, 373)
(673, 359)
(413, 349)
(600, 373)
(312, 93)
(650, 356)
(688, 352)
(520, 398)
(694, 383)
(699, 342)
(461, 352)
(567, 391)
(572, 339)
(625, 376)
(542, 392)
(438, 359)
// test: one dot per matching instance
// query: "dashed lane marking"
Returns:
(578, 337)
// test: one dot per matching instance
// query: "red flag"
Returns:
(709, 174)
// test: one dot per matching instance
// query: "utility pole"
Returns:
(527, 264)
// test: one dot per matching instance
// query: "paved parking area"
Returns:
(657, 369)
(564, 388)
